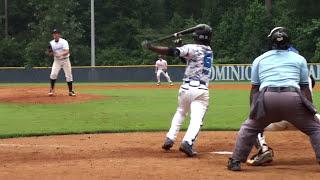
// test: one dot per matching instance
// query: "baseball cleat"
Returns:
(158, 84)
(234, 165)
(171, 84)
(168, 143)
(72, 93)
(51, 92)
(261, 158)
(187, 149)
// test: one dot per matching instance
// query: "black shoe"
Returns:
(234, 165)
(51, 92)
(187, 149)
(72, 93)
(168, 143)
(261, 158)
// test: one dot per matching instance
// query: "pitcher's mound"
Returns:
(39, 95)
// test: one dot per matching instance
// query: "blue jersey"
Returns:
(199, 62)
(291, 48)
(279, 68)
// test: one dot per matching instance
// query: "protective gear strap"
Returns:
(313, 82)
(306, 91)
(254, 90)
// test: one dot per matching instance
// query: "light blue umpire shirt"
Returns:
(279, 68)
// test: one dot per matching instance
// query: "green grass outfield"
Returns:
(128, 110)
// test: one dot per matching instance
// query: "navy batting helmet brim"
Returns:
(54, 31)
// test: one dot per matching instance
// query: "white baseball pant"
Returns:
(194, 100)
(65, 65)
(159, 72)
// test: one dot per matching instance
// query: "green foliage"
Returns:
(80, 55)
(112, 56)
(311, 40)
(255, 31)
(227, 36)
(239, 28)
(48, 15)
(10, 52)
(35, 54)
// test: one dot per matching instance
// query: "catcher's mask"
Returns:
(202, 36)
(279, 38)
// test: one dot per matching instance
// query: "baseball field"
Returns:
(115, 131)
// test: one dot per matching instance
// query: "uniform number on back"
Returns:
(207, 63)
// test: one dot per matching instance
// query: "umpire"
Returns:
(279, 91)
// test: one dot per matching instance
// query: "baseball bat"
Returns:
(183, 32)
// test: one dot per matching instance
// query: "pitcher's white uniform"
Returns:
(161, 68)
(61, 61)
(194, 93)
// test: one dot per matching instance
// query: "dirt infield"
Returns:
(38, 95)
(139, 156)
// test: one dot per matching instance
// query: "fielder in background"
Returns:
(161, 67)
(59, 49)
(193, 93)
(280, 90)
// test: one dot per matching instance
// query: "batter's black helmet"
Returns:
(280, 38)
(203, 35)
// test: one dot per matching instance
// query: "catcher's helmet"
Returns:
(279, 38)
(203, 35)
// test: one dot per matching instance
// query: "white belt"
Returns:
(188, 86)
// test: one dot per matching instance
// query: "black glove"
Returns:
(49, 48)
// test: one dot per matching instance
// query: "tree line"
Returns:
(240, 28)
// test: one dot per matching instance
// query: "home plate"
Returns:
(221, 152)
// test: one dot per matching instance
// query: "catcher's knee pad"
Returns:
(317, 117)
(279, 126)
